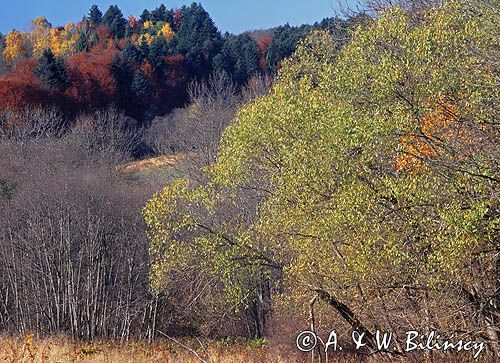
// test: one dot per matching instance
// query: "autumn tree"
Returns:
(91, 83)
(306, 184)
(40, 35)
(16, 46)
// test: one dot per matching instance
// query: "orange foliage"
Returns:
(16, 46)
(262, 45)
(122, 43)
(20, 88)
(91, 82)
(177, 18)
(104, 38)
(167, 32)
(132, 21)
(437, 125)
(147, 69)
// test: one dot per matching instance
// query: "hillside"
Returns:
(143, 65)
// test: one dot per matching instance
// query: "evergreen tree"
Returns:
(145, 16)
(157, 52)
(51, 70)
(140, 84)
(198, 39)
(114, 20)
(285, 41)
(144, 49)
(95, 15)
(121, 71)
(3, 66)
(82, 44)
(239, 57)
(159, 14)
(123, 75)
(132, 53)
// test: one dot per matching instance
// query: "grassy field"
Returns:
(62, 350)
(162, 169)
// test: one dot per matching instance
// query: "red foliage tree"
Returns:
(177, 18)
(262, 44)
(20, 88)
(92, 84)
(104, 39)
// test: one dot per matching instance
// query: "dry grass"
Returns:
(163, 161)
(162, 169)
(62, 350)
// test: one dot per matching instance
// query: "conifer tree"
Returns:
(82, 44)
(197, 38)
(95, 15)
(114, 20)
(140, 85)
(51, 70)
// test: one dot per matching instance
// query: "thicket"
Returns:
(74, 254)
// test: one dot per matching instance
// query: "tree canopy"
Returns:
(363, 174)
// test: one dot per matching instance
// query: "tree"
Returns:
(91, 83)
(95, 15)
(166, 31)
(197, 38)
(63, 41)
(3, 65)
(239, 57)
(82, 44)
(40, 35)
(307, 182)
(140, 84)
(51, 70)
(284, 42)
(132, 53)
(123, 75)
(16, 46)
(20, 88)
(114, 20)
(157, 52)
(145, 16)
(2, 42)
(161, 14)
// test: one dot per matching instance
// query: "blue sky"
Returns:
(234, 16)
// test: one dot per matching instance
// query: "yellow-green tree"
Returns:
(63, 42)
(309, 180)
(40, 35)
(17, 46)
(166, 31)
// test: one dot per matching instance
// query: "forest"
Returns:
(169, 193)
(142, 66)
